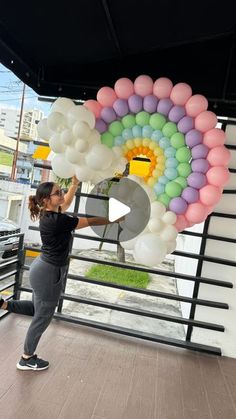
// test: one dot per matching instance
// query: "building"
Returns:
(10, 118)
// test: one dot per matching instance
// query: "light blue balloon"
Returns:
(137, 131)
(119, 140)
(171, 173)
(156, 135)
(159, 188)
(147, 131)
(163, 179)
(170, 152)
(164, 142)
(172, 162)
(127, 133)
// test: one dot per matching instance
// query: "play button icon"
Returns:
(117, 209)
(115, 199)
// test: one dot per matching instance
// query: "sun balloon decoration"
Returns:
(157, 120)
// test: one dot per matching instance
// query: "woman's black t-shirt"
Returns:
(56, 235)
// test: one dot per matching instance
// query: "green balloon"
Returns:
(107, 139)
(129, 121)
(184, 169)
(177, 140)
(142, 118)
(183, 154)
(169, 129)
(182, 181)
(116, 128)
(157, 121)
(173, 189)
(164, 198)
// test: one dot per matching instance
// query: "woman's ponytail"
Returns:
(34, 208)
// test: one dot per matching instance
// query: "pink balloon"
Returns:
(196, 104)
(210, 209)
(196, 213)
(219, 156)
(106, 96)
(94, 107)
(162, 87)
(205, 120)
(210, 195)
(218, 175)
(143, 85)
(181, 223)
(214, 137)
(124, 88)
(180, 93)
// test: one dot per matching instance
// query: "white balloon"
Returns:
(149, 191)
(169, 217)
(94, 138)
(150, 249)
(56, 122)
(99, 157)
(72, 155)
(67, 136)
(155, 225)
(80, 113)
(61, 167)
(157, 209)
(81, 129)
(118, 153)
(171, 246)
(135, 178)
(62, 104)
(81, 145)
(134, 219)
(83, 173)
(43, 131)
(55, 144)
(169, 233)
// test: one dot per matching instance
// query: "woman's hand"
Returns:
(75, 181)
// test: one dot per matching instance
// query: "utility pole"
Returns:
(13, 171)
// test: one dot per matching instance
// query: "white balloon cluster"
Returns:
(77, 145)
(158, 238)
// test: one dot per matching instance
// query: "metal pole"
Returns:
(13, 172)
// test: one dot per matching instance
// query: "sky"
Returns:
(11, 93)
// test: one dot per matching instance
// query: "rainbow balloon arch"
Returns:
(157, 120)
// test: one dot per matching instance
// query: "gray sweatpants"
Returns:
(47, 282)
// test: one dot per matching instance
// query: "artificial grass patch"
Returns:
(119, 276)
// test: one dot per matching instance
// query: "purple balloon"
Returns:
(200, 151)
(164, 106)
(120, 106)
(197, 180)
(100, 125)
(150, 103)
(185, 124)
(176, 113)
(200, 165)
(178, 205)
(190, 195)
(108, 114)
(135, 103)
(193, 137)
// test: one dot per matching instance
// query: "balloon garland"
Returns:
(165, 123)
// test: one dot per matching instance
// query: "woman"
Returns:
(48, 271)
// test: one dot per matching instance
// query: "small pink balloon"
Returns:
(180, 93)
(214, 137)
(205, 121)
(106, 96)
(181, 223)
(124, 88)
(218, 175)
(196, 213)
(162, 88)
(219, 156)
(195, 105)
(210, 209)
(94, 107)
(143, 85)
(210, 195)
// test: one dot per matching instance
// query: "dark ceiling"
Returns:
(73, 48)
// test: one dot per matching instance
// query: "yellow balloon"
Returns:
(130, 144)
(158, 151)
(152, 145)
(157, 173)
(125, 149)
(161, 159)
(151, 181)
(137, 142)
(160, 166)
(146, 142)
